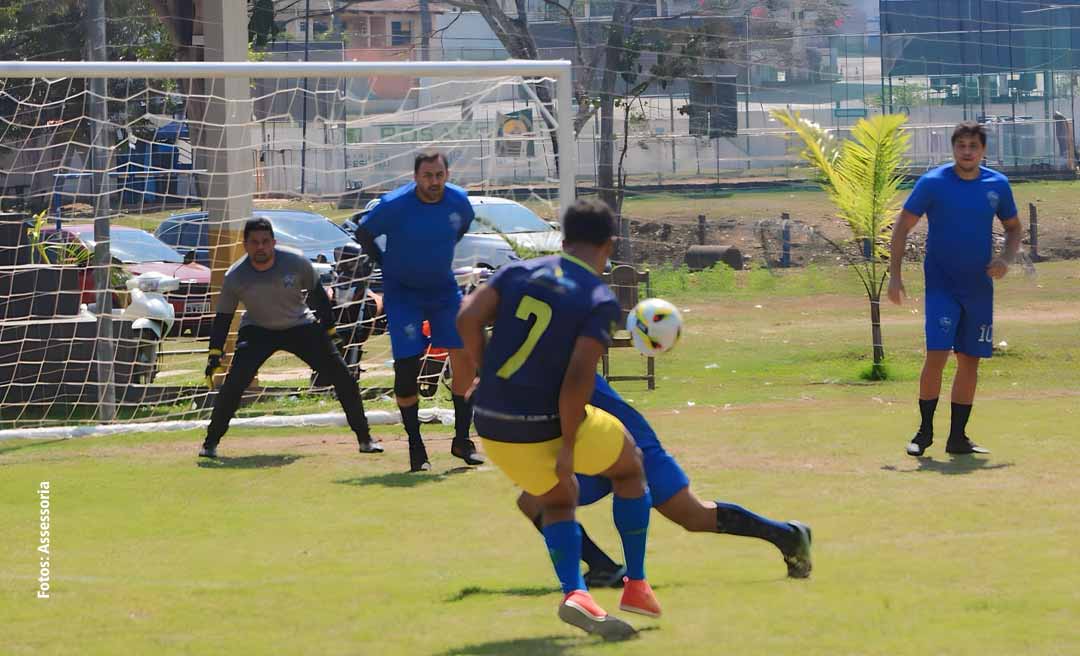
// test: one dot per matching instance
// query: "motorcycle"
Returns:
(151, 317)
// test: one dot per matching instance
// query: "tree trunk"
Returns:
(878, 370)
(425, 30)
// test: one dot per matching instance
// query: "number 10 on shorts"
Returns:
(986, 332)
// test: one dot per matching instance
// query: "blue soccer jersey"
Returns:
(959, 302)
(545, 305)
(960, 214)
(420, 237)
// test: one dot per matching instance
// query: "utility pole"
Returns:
(101, 187)
(303, 120)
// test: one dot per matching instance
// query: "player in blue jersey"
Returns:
(669, 487)
(423, 221)
(552, 320)
(960, 201)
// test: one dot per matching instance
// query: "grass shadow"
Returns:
(533, 591)
(550, 645)
(955, 465)
(250, 462)
(404, 479)
(30, 445)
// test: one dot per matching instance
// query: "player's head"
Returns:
(430, 171)
(259, 241)
(589, 231)
(969, 145)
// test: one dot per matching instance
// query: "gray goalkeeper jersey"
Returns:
(273, 298)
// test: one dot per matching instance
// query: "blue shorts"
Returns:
(663, 474)
(961, 321)
(406, 310)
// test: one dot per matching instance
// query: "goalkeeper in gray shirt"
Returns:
(270, 283)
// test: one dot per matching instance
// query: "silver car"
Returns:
(499, 223)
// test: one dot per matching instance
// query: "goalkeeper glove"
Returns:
(336, 340)
(213, 367)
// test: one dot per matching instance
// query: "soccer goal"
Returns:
(124, 187)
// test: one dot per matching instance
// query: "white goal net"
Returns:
(124, 188)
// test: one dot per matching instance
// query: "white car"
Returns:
(498, 222)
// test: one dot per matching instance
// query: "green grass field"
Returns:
(296, 544)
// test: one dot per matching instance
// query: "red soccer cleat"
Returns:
(579, 609)
(638, 597)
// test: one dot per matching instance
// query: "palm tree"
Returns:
(862, 177)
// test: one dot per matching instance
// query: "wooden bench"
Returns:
(627, 283)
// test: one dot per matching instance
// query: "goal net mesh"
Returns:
(174, 167)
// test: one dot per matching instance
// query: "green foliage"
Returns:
(34, 232)
(262, 29)
(902, 96)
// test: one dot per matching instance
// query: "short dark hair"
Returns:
(590, 222)
(256, 224)
(969, 129)
(428, 156)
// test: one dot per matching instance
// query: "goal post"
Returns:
(225, 140)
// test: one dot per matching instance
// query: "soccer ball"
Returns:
(655, 326)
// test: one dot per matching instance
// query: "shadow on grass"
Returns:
(552, 645)
(30, 445)
(533, 591)
(404, 479)
(250, 462)
(953, 466)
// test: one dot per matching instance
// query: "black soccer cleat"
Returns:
(963, 446)
(466, 450)
(208, 451)
(370, 445)
(797, 558)
(920, 443)
(418, 459)
(603, 578)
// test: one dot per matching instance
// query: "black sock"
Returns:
(411, 418)
(462, 417)
(960, 414)
(736, 520)
(926, 409)
(591, 555)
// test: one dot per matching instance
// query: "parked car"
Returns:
(498, 222)
(312, 234)
(139, 252)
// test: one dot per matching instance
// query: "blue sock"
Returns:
(736, 520)
(564, 545)
(632, 520)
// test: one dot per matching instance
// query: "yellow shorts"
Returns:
(531, 465)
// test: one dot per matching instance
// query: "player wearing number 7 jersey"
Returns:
(552, 320)
(960, 201)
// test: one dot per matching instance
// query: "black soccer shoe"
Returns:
(466, 450)
(418, 459)
(208, 451)
(963, 446)
(604, 578)
(797, 558)
(370, 445)
(918, 444)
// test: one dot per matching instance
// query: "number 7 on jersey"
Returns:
(528, 307)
